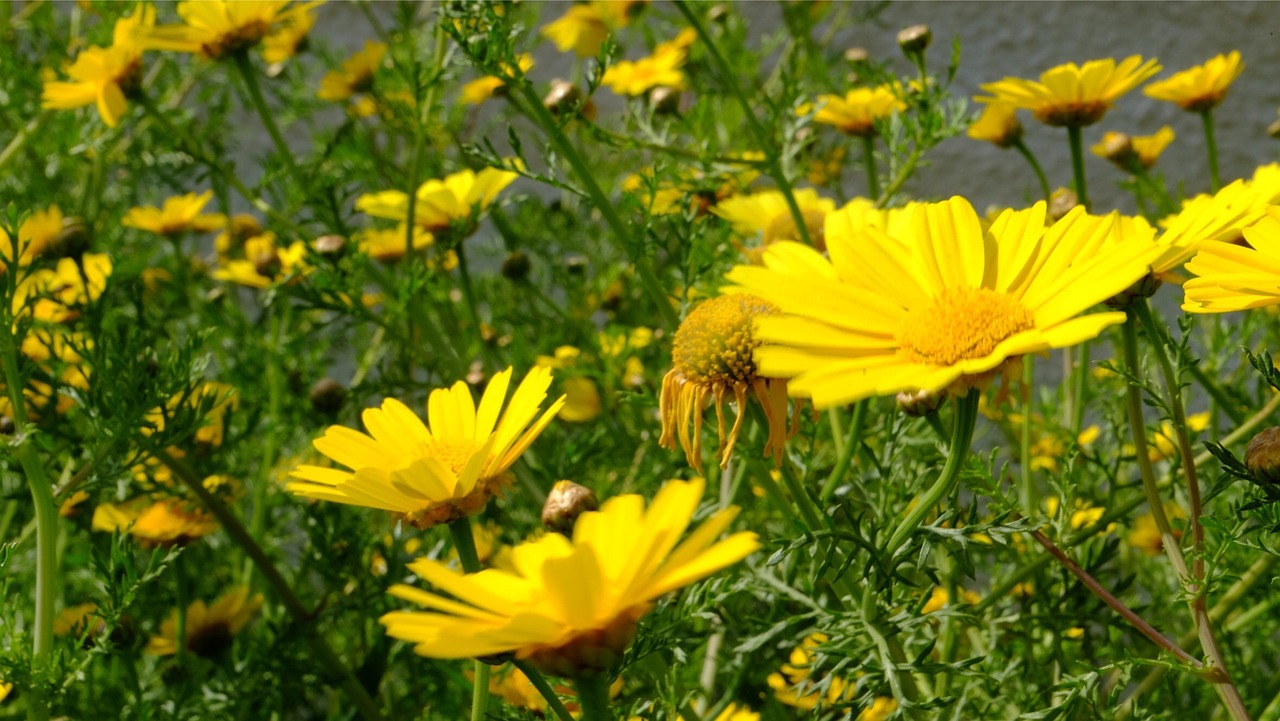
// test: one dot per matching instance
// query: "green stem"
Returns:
(464, 542)
(182, 594)
(1078, 386)
(245, 66)
(903, 693)
(869, 160)
(644, 269)
(593, 696)
(900, 178)
(325, 654)
(46, 519)
(1025, 152)
(963, 421)
(1024, 446)
(1211, 145)
(275, 402)
(552, 698)
(1077, 164)
(20, 139)
(757, 129)
(845, 456)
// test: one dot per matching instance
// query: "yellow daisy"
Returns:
(481, 89)
(180, 214)
(5, 689)
(458, 197)
(264, 263)
(998, 125)
(857, 112)
(104, 77)
(76, 620)
(437, 474)
(662, 69)
(516, 689)
(711, 358)
(571, 606)
(1200, 88)
(388, 244)
(37, 233)
(767, 214)
(1236, 277)
(584, 27)
(170, 522)
(1123, 149)
(1074, 95)
(947, 303)
(290, 37)
(55, 294)
(1145, 535)
(794, 685)
(216, 28)
(355, 75)
(210, 628)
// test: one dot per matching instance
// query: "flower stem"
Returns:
(845, 457)
(464, 542)
(1211, 145)
(869, 160)
(964, 418)
(1195, 583)
(364, 703)
(1024, 440)
(1077, 164)
(1025, 152)
(1078, 387)
(762, 138)
(24, 451)
(593, 695)
(549, 694)
(180, 616)
(245, 66)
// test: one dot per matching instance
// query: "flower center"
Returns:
(1072, 113)
(783, 227)
(453, 453)
(714, 344)
(962, 324)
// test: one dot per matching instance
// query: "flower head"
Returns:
(1074, 95)
(662, 69)
(572, 605)
(37, 233)
(712, 357)
(437, 473)
(795, 686)
(1122, 149)
(583, 28)
(264, 262)
(290, 36)
(858, 110)
(355, 75)
(388, 244)
(214, 29)
(458, 197)
(998, 125)
(946, 303)
(104, 77)
(170, 522)
(768, 214)
(210, 628)
(1234, 277)
(481, 89)
(1199, 88)
(180, 214)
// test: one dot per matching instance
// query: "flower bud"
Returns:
(267, 265)
(1061, 202)
(565, 97)
(330, 246)
(7, 426)
(576, 264)
(327, 396)
(1262, 457)
(1274, 129)
(664, 100)
(921, 403)
(915, 39)
(566, 501)
(856, 56)
(516, 266)
(73, 240)
(1118, 148)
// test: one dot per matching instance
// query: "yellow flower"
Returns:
(768, 214)
(794, 687)
(938, 599)
(1237, 277)
(584, 27)
(857, 112)
(170, 522)
(661, 69)
(438, 474)
(882, 708)
(458, 197)
(264, 263)
(1074, 95)
(1145, 536)
(572, 606)
(733, 712)
(1122, 149)
(582, 399)
(212, 399)
(711, 358)
(516, 689)
(55, 294)
(290, 37)
(76, 620)
(388, 244)
(180, 214)
(481, 89)
(1199, 88)
(35, 235)
(998, 125)
(216, 28)
(355, 75)
(1164, 445)
(5, 688)
(210, 629)
(1082, 516)
(944, 304)
(104, 76)
(239, 229)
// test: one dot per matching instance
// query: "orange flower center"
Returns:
(962, 324)
(714, 344)
(1080, 114)
(453, 453)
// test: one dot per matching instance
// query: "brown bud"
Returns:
(327, 396)
(576, 264)
(330, 246)
(240, 228)
(1061, 202)
(1118, 148)
(1262, 457)
(921, 403)
(565, 97)
(1274, 129)
(267, 265)
(566, 501)
(1144, 287)
(516, 266)
(856, 56)
(718, 13)
(7, 426)
(915, 39)
(665, 101)
(74, 239)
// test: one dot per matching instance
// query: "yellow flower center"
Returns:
(453, 453)
(962, 324)
(714, 344)
(783, 227)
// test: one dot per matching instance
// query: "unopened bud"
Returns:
(856, 56)
(73, 240)
(920, 403)
(6, 426)
(1262, 457)
(718, 13)
(1118, 148)
(565, 97)
(516, 266)
(665, 101)
(330, 246)
(915, 39)
(327, 396)
(1061, 202)
(576, 264)
(566, 501)
(1274, 129)
(267, 265)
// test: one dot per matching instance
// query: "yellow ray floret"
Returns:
(210, 628)
(571, 604)
(217, 28)
(440, 202)
(1199, 88)
(1236, 277)
(436, 472)
(945, 303)
(1073, 95)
